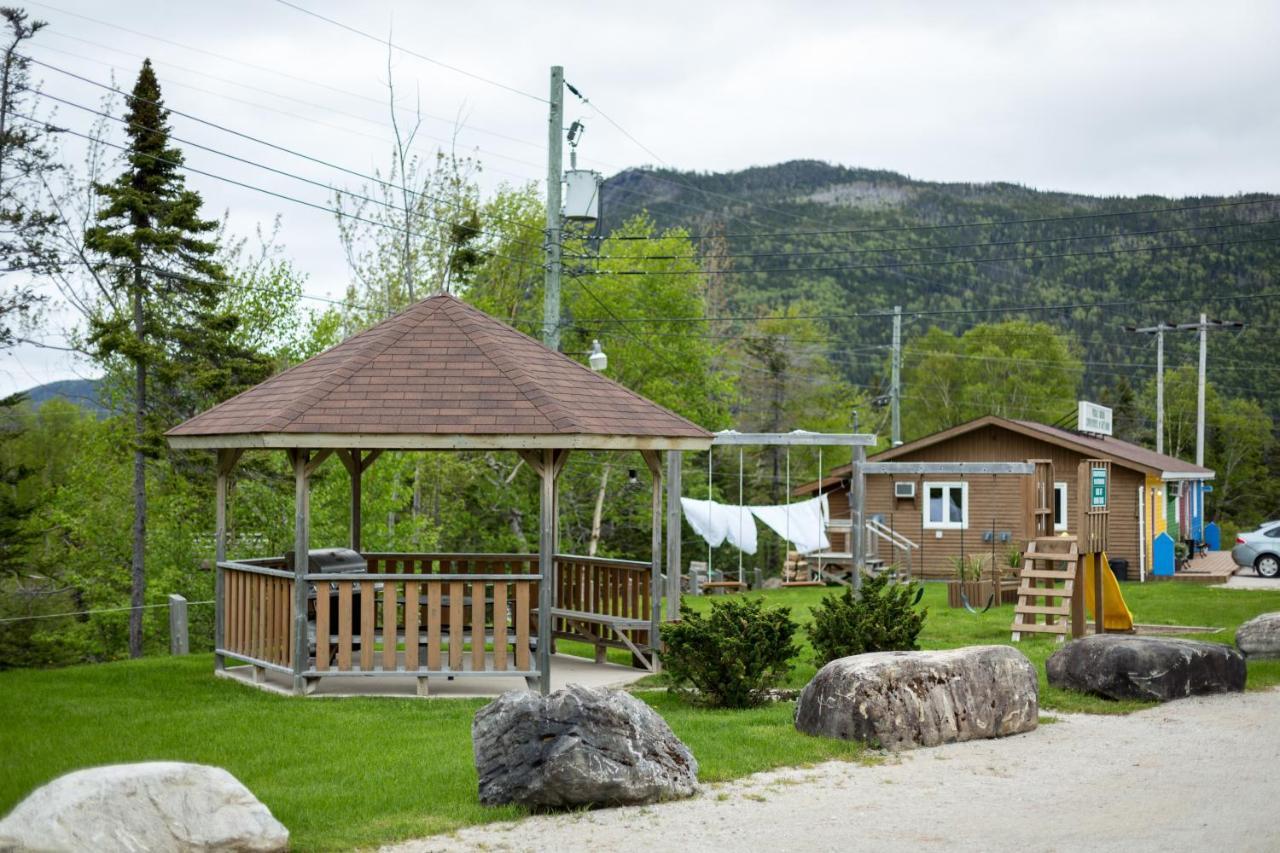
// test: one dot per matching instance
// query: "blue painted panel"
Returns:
(1213, 536)
(1162, 555)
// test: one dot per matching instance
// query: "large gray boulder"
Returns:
(1153, 668)
(580, 746)
(156, 806)
(1260, 636)
(903, 700)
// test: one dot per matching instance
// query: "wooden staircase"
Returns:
(1047, 586)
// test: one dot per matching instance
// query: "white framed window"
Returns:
(946, 506)
(1060, 507)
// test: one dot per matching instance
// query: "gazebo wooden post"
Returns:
(675, 563)
(655, 599)
(357, 474)
(353, 461)
(546, 565)
(225, 462)
(301, 560)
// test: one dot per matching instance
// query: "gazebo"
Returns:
(442, 376)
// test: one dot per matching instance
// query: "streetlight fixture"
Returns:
(597, 360)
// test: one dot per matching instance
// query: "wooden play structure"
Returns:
(440, 376)
(1063, 576)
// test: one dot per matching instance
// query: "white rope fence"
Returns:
(90, 612)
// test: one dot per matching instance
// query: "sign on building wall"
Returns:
(1097, 487)
(1090, 417)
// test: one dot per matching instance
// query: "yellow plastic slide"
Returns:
(1115, 613)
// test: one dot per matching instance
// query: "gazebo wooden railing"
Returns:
(425, 615)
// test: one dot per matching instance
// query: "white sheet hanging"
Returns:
(705, 522)
(717, 523)
(804, 522)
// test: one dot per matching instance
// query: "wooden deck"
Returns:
(1214, 567)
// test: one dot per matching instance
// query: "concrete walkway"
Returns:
(1194, 775)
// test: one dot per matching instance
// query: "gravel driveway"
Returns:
(1198, 774)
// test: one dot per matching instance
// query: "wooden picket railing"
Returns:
(257, 612)
(428, 614)
(603, 587)
(423, 624)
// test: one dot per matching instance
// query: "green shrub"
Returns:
(882, 618)
(733, 654)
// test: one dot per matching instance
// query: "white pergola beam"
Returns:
(799, 438)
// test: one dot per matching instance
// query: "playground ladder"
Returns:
(1047, 562)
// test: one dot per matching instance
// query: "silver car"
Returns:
(1259, 549)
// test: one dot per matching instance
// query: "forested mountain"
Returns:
(847, 241)
(86, 393)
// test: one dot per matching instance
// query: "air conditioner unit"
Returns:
(904, 490)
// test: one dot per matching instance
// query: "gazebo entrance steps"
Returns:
(460, 684)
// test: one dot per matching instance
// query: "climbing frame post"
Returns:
(1094, 486)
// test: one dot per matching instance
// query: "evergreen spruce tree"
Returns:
(160, 325)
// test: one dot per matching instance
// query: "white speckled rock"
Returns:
(903, 700)
(1260, 636)
(155, 806)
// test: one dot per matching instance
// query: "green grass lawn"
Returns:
(343, 773)
(1152, 603)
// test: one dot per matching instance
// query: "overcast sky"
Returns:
(1109, 98)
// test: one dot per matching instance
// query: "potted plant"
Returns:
(1010, 574)
(971, 579)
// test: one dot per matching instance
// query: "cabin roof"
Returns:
(1120, 452)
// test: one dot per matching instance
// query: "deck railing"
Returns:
(257, 612)
(427, 614)
(423, 624)
(604, 587)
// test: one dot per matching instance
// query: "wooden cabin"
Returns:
(947, 517)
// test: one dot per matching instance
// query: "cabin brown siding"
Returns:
(995, 501)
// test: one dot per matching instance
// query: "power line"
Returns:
(325, 107)
(883, 229)
(885, 314)
(388, 43)
(242, 135)
(946, 262)
(292, 175)
(606, 117)
(308, 119)
(979, 245)
(200, 50)
(283, 196)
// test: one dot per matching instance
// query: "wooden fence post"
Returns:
(179, 641)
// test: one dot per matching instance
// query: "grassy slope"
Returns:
(359, 772)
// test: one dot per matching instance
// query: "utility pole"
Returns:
(1158, 330)
(895, 386)
(555, 164)
(1204, 327)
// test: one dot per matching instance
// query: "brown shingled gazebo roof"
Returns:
(444, 375)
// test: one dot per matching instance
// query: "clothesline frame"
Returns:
(857, 443)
